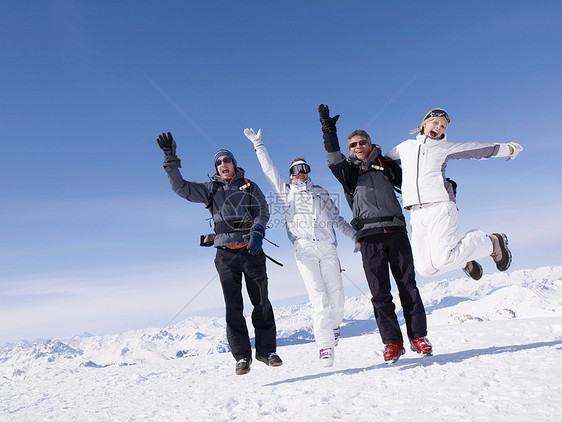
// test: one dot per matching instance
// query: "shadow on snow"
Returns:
(405, 363)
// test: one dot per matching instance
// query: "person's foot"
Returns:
(473, 269)
(337, 336)
(500, 253)
(243, 366)
(393, 351)
(422, 346)
(327, 357)
(272, 359)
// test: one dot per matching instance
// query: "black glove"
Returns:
(328, 123)
(168, 146)
(257, 233)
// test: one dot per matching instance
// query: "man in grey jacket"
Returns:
(381, 232)
(240, 214)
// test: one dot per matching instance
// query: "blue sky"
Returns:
(93, 239)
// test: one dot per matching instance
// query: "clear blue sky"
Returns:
(92, 237)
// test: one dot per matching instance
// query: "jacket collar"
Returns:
(238, 175)
(425, 138)
(306, 185)
(365, 165)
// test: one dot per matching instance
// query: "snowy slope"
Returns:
(505, 363)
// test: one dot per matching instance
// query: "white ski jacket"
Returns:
(424, 160)
(309, 211)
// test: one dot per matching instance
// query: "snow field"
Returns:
(481, 371)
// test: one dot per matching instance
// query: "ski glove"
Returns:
(516, 148)
(356, 244)
(168, 146)
(257, 233)
(254, 137)
(328, 123)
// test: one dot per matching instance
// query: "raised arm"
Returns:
(194, 192)
(341, 169)
(269, 170)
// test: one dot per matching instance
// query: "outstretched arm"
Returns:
(482, 151)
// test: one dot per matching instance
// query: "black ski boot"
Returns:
(243, 366)
(473, 269)
(500, 253)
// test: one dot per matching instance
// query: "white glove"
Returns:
(254, 137)
(357, 245)
(516, 148)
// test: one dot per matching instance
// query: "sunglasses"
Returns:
(225, 160)
(361, 142)
(299, 168)
(438, 113)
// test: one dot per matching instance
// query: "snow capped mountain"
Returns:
(497, 355)
(500, 296)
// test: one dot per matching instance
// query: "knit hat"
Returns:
(224, 152)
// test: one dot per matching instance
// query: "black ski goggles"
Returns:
(361, 142)
(299, 168)
(225, 160)
(437, 112)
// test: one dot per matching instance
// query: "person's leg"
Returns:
(263, 319)
(375, 264)
(308, 263)
(448, 252)
(331, 274)
(420, 243)
(230, 275)
(402, 267)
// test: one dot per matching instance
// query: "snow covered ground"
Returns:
(498, 356)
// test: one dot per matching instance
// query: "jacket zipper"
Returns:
(418, 173)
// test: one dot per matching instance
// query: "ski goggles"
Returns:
(225, 160)
(437, 112)
(299, 168)
(361, 142)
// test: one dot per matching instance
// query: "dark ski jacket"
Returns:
(368, 190)
(235, 206)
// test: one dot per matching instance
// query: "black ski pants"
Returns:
(231, 265)
(378, 252)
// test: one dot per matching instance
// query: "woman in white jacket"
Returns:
(311, 217)
(429, 197)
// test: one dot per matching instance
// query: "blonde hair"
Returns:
(420, 127)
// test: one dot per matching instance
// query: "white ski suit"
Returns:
(311, 217)
(430, 199)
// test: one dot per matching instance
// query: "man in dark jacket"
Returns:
(381, 231)
(240, 214)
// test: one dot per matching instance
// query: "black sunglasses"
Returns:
(225, 160)
(299, 168)
(361, 142)
(438, 113)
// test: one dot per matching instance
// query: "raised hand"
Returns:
(328, 123)
(168, 146)
(253, 136)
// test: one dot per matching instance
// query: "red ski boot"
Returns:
(422, 346)
(393, 351)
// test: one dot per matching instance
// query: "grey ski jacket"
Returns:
(368, 190)
(235, 206)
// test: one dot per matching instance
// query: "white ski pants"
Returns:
(435, 241)
(319, 266)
